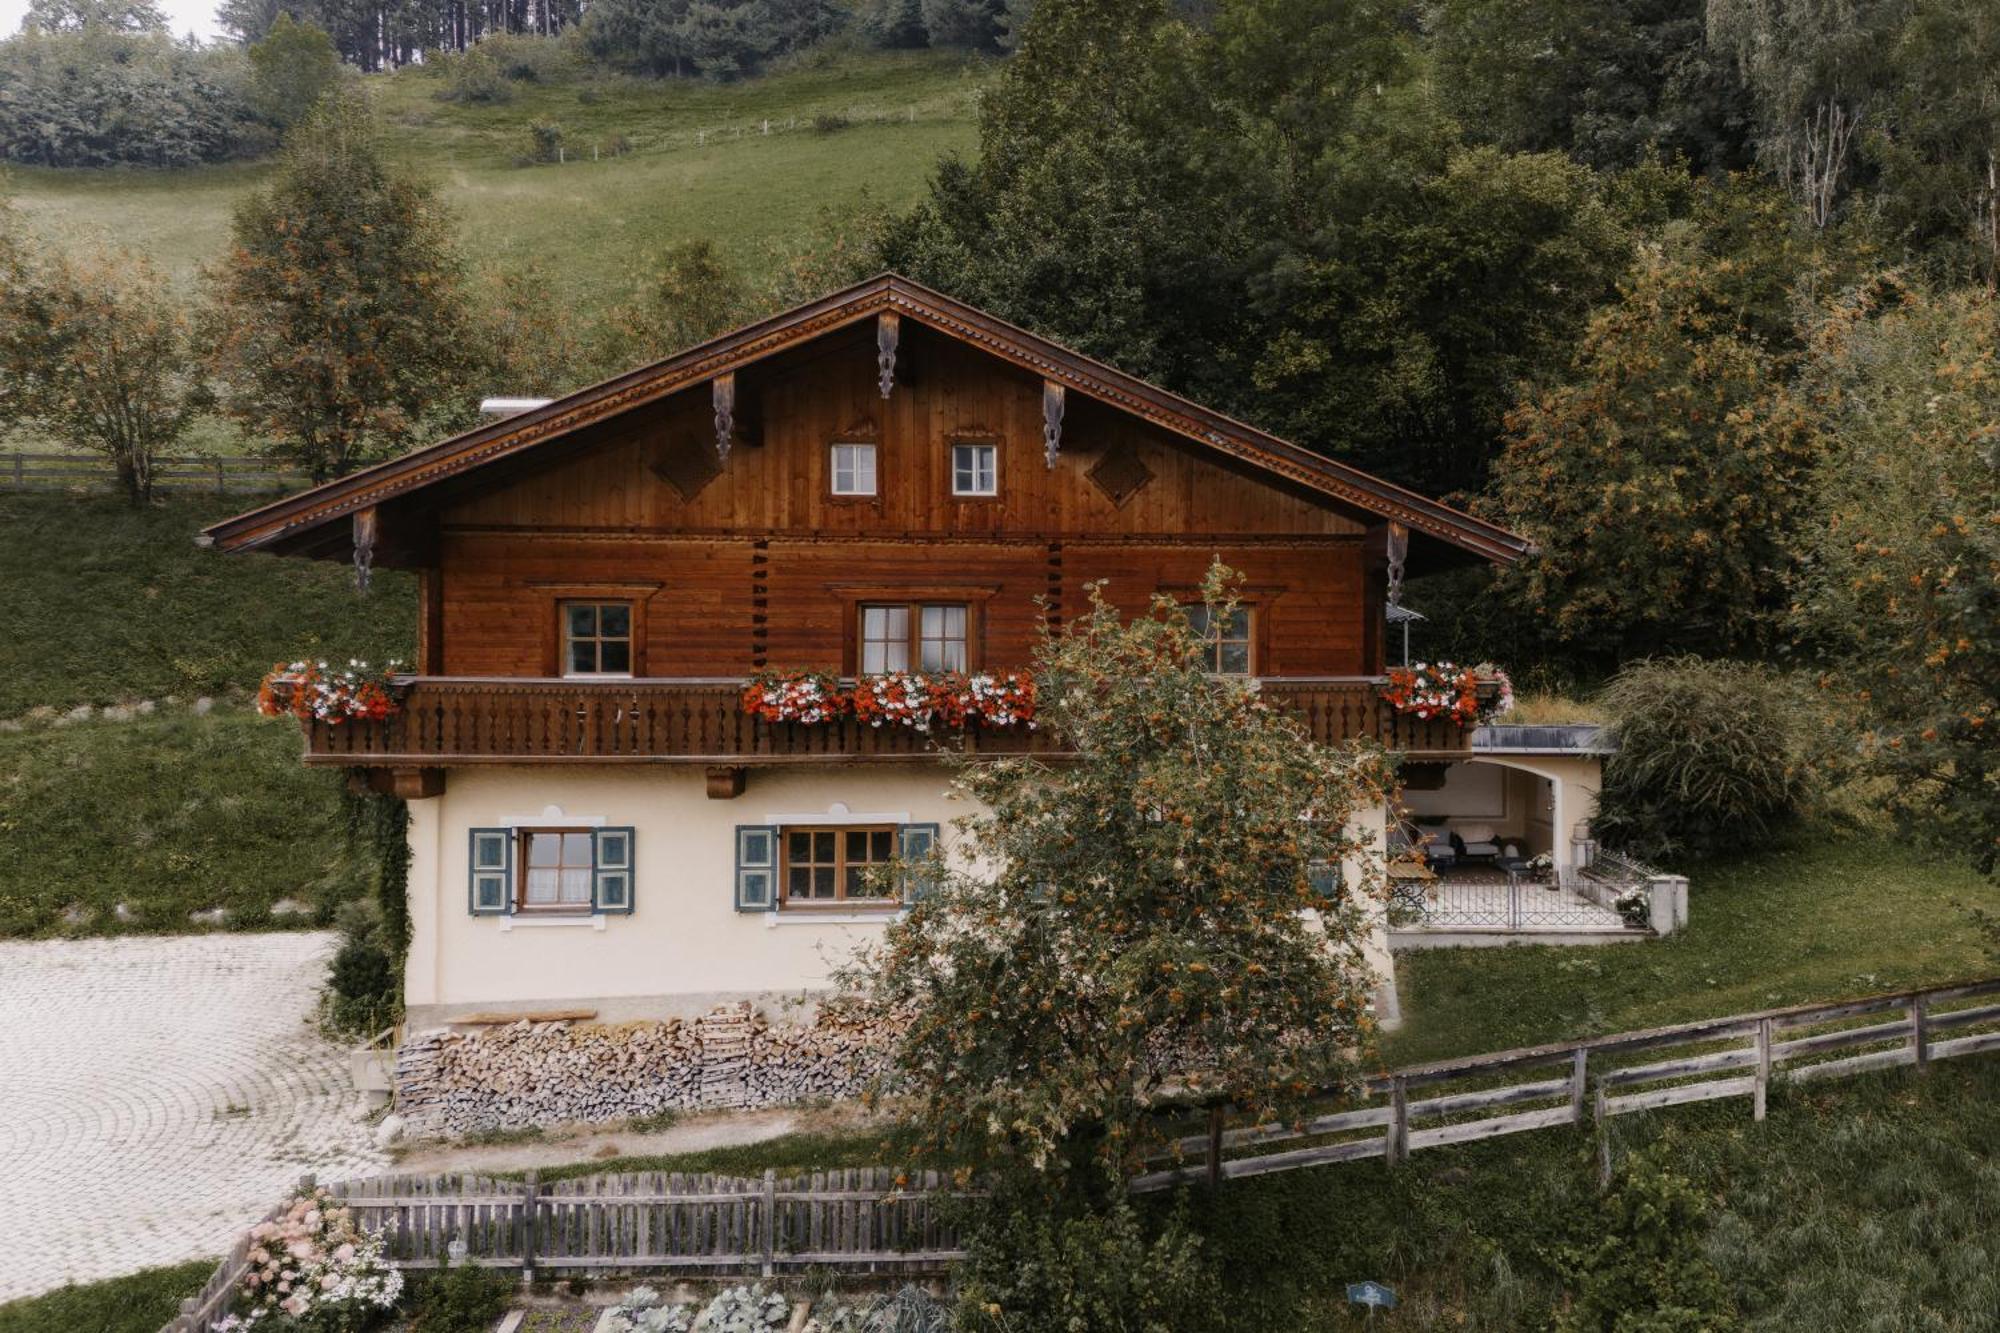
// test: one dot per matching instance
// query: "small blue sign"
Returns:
(1371, 1294)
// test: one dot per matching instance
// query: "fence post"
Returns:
(1761, 1090)
(1603, 1118)
(1513, 901)
(770, 1238)
(20, 471)
(1214, 1146)
(1397, 1149)
(221, 479)
(531, 1202)
(1920, 1036)
(1579, 1063)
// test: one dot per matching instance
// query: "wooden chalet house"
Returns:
(879, 481)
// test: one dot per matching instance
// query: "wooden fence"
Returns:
(1576, 1083)
(86, 472)
(852, 1221)
(862, 1221)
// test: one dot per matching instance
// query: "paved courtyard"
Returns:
(156, 1095)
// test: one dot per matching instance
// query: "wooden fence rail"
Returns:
(853, 1221)
(1512, 1092)
(86, 472)
(864, 1221)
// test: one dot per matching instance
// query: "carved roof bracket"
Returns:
(888, 330)
(1053, 399)
(724, 386)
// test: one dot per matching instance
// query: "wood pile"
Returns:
(545, 1073)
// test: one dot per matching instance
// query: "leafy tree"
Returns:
(134, 17)
(1939, 146)
(101, 96)
(1663, 479)
(1817, 71)
(693, 295)
(341, 331)
(972, 25)
(1132, 920)
(716, 38)
(292, 68)
(96, 350)
(1611, 82)
(1902, 594)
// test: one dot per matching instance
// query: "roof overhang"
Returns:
(299, 522)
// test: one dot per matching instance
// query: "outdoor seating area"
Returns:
(1500, 898)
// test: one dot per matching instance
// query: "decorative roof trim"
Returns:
(889, 292)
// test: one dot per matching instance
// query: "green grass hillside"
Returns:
(701, 165)
(105, 603)
(169, 813)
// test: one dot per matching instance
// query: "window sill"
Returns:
(517, 921)
(811, 916)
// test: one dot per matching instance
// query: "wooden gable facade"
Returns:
(700, 492)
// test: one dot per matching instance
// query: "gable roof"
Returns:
(289, 522)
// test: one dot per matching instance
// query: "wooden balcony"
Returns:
(448, 721)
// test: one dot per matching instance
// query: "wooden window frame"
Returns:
(555, 622)
(564, 640)
(914, 605)
(522, 907)
(832, 472)
(952, 446)
(1253, 644)
(840, 901)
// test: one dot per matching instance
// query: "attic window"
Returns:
(854, 469)
(597, 638)
(975, 469)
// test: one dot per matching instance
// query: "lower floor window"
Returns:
(837, 864)
(556, 869)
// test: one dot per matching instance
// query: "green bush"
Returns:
(1647, 1271)
(1030, 1268)
(475, 77)
(465, 1299)
(542, 141)
(1711, 756)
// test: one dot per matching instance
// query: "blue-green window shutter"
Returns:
(490, 883)
(611, 870)
(916, 845)
(756, 867)
(1325, 878)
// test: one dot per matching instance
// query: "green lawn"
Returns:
(701, 166)
(168, 814)
(1819, 917)
(104, 603)
(140, 1303)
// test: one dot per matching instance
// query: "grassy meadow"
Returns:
(138, 1303)
(700, 166)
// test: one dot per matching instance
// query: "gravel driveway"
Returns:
(157, 1094)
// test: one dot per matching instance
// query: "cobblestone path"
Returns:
(156, 1095)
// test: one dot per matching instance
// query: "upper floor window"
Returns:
(975, 469)
(854, 469)
(597, 638)
(1226, 651)
(828, 865)
(556, 870)
(925, 636)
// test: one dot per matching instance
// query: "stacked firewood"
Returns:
(454, 1082)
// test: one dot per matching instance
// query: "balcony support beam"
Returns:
(725, 781)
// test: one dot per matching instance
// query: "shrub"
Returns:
(525, 57)
(465, 1299)
(475, 76)
(826, 122)
(1647, 1271)
(542, 142)
(1028, 1268)
(1710, 755)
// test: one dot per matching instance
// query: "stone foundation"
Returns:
(453, 1082)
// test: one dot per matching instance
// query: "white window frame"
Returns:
(992, 450)
(854, 472)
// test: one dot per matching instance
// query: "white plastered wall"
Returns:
(685, 946)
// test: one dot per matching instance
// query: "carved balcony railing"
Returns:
(460, 720)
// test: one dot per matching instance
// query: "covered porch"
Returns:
(1497, 848)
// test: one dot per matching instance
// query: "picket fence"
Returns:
(859, 1221)
(84, 472)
